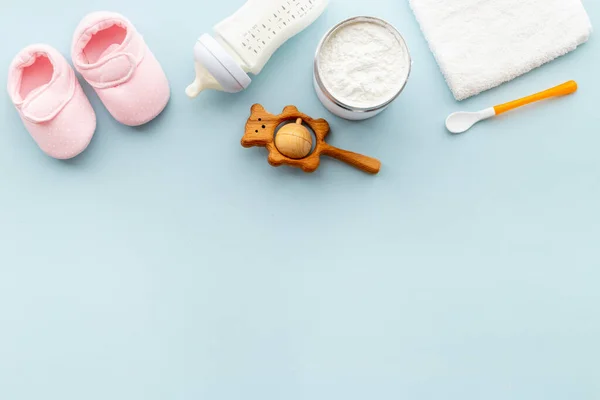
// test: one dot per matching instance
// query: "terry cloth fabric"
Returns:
(480, 44)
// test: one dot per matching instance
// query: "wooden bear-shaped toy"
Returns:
(293, 147)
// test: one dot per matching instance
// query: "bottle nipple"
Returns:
(194, 89)
(204, 80)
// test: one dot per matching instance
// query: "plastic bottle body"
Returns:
(260, 27)
(244, 42)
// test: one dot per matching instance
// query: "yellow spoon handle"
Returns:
(560, 90)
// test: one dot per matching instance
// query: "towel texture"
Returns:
(480, 44)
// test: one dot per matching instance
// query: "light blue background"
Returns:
(168, 262)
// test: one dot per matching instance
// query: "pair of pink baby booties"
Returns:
(111, 55)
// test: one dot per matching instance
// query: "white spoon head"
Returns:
(462, 121)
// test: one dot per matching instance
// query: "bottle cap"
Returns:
(220, 64)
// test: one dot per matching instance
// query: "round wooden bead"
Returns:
(294, 140)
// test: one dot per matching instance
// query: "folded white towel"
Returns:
(480, 44)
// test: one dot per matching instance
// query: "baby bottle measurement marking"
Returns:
(258, 37)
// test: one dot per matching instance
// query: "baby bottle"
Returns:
(244, 42)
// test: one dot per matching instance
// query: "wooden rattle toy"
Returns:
(292, 144)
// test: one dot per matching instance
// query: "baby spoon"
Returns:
(460, 122)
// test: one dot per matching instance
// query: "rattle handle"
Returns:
(364, 163)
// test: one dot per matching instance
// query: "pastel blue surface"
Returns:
(168, 262)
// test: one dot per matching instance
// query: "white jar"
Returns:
(366, 95)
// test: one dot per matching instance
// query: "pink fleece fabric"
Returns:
(49, 100)
(113, 58)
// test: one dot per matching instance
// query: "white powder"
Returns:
(363, 64)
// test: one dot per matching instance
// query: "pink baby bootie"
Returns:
(50, 101)
(113, 58)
